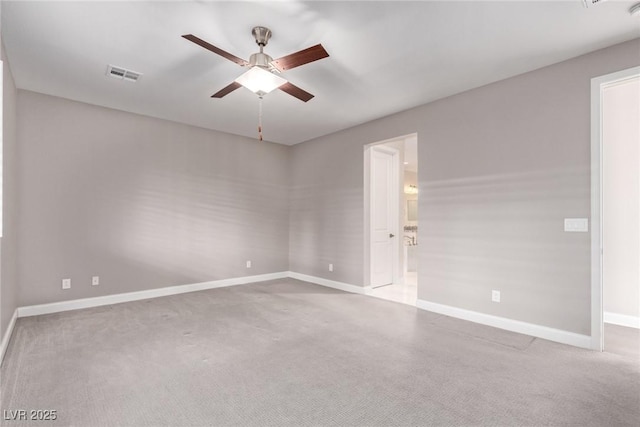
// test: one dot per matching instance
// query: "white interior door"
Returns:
(384, 214)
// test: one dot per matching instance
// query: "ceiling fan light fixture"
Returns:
(260, 81)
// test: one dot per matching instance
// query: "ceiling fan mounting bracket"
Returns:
(262, 35)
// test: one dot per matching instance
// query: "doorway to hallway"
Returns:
(615, 213)
(621, 216)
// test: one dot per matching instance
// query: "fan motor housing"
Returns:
(260, 59)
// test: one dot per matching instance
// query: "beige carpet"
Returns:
(286, 353)
(622, 341)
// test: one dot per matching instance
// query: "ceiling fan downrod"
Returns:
(261, 59)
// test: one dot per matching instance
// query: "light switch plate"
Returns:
(580, 225)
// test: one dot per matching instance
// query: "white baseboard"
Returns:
(622, 320)
(551, 334)
(329, 283)
(7, 335)
(56, 307)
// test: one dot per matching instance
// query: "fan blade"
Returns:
(226, 90)
(217, 50)
(294, 90)
(302, 57)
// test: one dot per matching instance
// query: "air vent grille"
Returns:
(591, 3)
(123, 73)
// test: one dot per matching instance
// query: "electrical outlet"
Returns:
(248, 264)
(95, 281)
(495, 296)
(66, 283)
(330, 267)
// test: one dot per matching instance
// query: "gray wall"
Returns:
(140, 202)
(9, 241)
(500, 167)
(145, 203)
(326, 208)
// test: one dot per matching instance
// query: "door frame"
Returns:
(397, 273)
(598, 84)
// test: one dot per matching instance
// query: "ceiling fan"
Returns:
(263, 74)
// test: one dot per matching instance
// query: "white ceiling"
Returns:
(385, 56)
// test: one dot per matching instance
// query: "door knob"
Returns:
(391, 235)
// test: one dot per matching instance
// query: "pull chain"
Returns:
(260, 118)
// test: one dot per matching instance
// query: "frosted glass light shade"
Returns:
(260, 81)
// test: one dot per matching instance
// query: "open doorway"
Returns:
(616, 223)
(391, 219)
